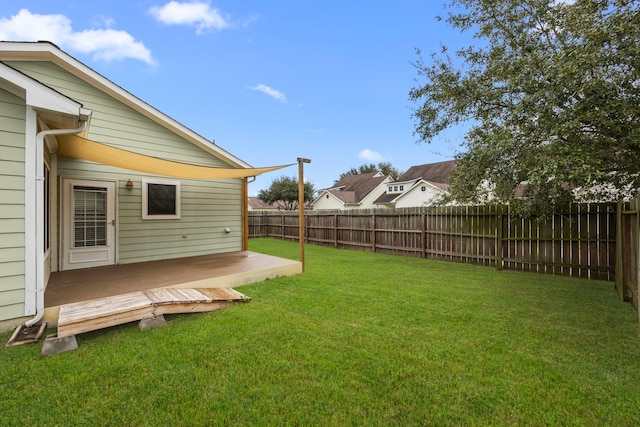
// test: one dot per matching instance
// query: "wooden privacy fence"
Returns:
(580, 242)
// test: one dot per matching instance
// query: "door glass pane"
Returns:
(90, 216)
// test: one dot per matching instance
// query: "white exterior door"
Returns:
(89, 212)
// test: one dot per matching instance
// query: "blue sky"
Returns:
(269, 81)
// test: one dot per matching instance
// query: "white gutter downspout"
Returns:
(40, 285)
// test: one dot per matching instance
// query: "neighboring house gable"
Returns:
(419, 186)
(353, 192)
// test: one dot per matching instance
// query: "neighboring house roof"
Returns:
(436, 174)
(439, 172)
(255, 204)
(258, 205)
(353, 189)
(47, 51)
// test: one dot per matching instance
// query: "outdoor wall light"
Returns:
(227, 230)
(129, 185)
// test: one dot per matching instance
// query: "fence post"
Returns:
(499, 238)
(335, 230)
(619, 280)
(636, 243)
(373, 231)
(423, 235)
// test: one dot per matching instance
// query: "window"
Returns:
(395, 188)
(402, 188)
(423, 188)
(160, 199)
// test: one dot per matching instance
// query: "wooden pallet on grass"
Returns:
(86, 316)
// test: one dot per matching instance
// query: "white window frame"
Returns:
(145, 199)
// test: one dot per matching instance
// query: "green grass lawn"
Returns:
(359, 339)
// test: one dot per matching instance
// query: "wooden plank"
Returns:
(104, 306)
(81, 311)
(175, 296)
(223, 294)
(93, 324)
(102, 313)
(186, 307)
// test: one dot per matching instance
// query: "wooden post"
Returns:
(373, 231)
(423, 234)
(636, 242)
(619, 268)
(335, 230)
(301, 163)
(499, 238)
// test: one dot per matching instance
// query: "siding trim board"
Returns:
(30, 214)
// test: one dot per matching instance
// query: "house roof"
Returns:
(354, 188)
(47, 51)
(256, 203)
(437, 174)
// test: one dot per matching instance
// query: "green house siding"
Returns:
(208, 207)
(113, 122)
(12, 196)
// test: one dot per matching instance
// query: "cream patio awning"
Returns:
(85, 149)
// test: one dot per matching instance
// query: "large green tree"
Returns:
(385, 167)
(551, 89)
(283, 192)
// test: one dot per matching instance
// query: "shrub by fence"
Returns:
(580, 242)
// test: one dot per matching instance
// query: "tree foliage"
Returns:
(283, 192)
(552, 90)
(385, 167)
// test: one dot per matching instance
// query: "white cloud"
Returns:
(371, 156)
(105, 44)
(103, 21)
(198, 14)
(275, 94)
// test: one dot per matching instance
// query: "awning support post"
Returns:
(301, 237)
